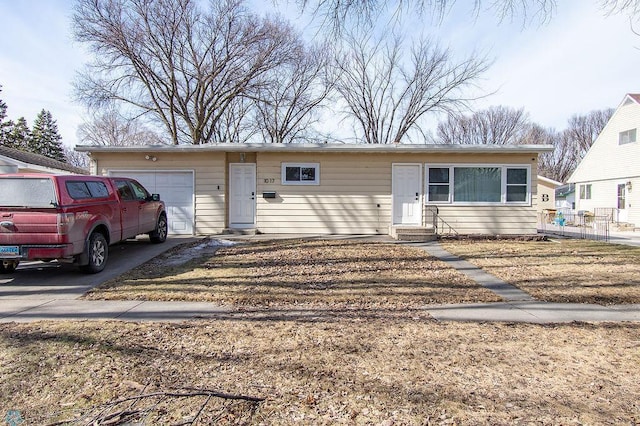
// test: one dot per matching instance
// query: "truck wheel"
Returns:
(8, 268)
(159, 235)
(97, 252)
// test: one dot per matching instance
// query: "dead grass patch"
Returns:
(382, 371)
(562, 270)
(325, 273)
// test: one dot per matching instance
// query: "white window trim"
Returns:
(503, 176)
(283, 173)
(624, 137)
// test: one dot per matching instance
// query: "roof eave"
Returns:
(259, 147)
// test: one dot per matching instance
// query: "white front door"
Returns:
(407, 190)
(242, 195)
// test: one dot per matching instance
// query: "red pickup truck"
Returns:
(73, 218)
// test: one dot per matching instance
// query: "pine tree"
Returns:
(4, 125)
(45, 139)
(17, 135)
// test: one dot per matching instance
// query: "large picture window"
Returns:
(473, 184)
(300, 173)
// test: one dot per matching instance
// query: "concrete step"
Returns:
(235, 231)
(413, 233)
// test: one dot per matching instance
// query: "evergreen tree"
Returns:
(17, 135)
(4, 124)
(45, 139)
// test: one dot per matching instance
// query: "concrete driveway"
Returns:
(39, 280)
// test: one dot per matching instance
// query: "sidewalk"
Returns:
(517, 307)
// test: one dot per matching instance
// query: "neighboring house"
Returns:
(334, 188)
(16, 161)
(566, 197)
(607, 179)
(547, 193)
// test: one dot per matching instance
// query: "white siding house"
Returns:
(607, 180)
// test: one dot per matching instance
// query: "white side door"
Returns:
(242, 195)
(407, 193)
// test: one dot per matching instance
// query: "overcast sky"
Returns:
(578, 62)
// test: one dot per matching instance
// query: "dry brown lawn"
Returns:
(559, 270)
(305, 273)
(375, 358)
(384, 371)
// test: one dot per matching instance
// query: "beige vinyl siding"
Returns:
(209, 175)
(549, 189)
(505, 220)
(352, 185)
(345, 202)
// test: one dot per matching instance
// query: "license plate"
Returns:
(9, 251)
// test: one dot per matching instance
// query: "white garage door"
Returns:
(175, 189)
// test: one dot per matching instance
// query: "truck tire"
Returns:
(9, 268)
(159, 235)
(97, 252)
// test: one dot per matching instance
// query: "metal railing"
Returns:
(432, 218)
(612, 213)
(586, 226)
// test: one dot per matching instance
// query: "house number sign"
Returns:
(269, 180)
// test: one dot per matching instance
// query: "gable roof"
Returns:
(631, 97)
(608, 159)
(26, 159)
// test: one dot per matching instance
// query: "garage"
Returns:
(175, 189)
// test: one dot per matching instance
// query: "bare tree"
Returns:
(497, 125)
(110, 127)
(173, 60)
(570, 145)
(339, 14)
(75, 158)
(336, 15)
(388, 94)
(584, 129)
(559, 163)
(236, 123)
(287, 105)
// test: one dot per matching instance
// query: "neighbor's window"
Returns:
(300, 173)
(473, 184)
(585, 192)
(628, 136)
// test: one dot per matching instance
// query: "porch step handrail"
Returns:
(438, 222)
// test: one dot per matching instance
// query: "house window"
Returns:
(585, 192)
(474, 184)
(300, 174)
(438, 184)
(516, 185)
(628, 136)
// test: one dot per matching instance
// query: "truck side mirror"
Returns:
(155, 197)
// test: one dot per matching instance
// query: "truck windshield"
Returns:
(27, 192)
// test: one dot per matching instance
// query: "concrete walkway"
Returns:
(518, 306)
